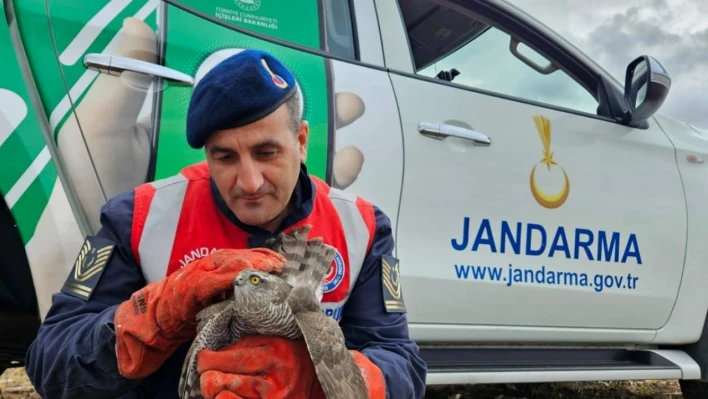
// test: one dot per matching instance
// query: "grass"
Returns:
(15, 385)
(659, 389)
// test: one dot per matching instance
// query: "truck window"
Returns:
(323, 25)
(454, 46)
(339, 28)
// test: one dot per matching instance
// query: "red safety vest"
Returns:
(176, 220)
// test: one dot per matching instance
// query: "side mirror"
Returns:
(647, 84)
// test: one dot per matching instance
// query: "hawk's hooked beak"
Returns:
(239, 281)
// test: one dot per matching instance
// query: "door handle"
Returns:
(440, 131)
(114, 65)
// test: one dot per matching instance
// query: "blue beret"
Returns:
(242, 89)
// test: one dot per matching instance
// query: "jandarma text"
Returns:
(544, 276)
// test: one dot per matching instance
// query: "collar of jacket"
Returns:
(302, 198)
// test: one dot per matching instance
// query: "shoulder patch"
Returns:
(391, 285)
(88, 267)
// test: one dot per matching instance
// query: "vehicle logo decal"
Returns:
(550, 201)
(248, 5)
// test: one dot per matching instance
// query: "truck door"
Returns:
(522, 204)
(103, 124)
(134, 124)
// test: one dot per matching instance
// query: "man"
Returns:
(122, 323)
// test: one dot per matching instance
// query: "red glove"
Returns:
(258, 367)
(162, 315)
(372, 375)
(271, 367)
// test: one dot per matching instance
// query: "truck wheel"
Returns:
(694, 389)
(19, 315)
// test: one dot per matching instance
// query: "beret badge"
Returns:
(277, 80)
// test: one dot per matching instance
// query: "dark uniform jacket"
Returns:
(74, 354)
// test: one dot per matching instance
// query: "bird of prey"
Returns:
(284, 304)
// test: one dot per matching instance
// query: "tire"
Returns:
(694, 389)
(19, 314)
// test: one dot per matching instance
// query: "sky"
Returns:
(614, 32)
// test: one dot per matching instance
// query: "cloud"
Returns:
(614, 33)
(633, 32)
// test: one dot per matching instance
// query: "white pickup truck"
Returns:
(551, 226)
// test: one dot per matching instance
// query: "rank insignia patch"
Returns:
(88, 267)
(390, 278)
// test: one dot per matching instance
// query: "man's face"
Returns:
(256, 167)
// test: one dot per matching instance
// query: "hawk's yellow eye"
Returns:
(255, 280)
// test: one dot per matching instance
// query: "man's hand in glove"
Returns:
(162, 315)
(271, 367)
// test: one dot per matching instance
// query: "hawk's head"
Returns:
(258, 288)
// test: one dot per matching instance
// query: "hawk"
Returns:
(284, 304)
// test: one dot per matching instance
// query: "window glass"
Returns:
(338, 24)
(305, 22)
(449, 45)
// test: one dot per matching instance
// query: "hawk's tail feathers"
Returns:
(308, 261)
(315, 265)
(292, 246)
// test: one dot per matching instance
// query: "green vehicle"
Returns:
(560, 214)
(94, 98)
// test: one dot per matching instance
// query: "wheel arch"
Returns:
(19, 309)
(698, 350)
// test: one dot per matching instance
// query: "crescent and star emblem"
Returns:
(277, 79)
(90, 261)
(390, 280)
(550, 201)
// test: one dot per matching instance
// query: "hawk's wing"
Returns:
(308, 262)
(210, 312)
(337, 372)
(213, 334)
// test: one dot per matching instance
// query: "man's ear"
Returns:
(302, 137)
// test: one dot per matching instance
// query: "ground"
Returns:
(587, 390)
(15, 385)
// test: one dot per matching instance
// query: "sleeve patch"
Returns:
(391, 281)
(88, 267)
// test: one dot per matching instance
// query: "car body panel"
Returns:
(30, 184)
(95, 122)
(473, 210)
(689, 313)
(469, 205)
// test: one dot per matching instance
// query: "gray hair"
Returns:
(295, 107)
